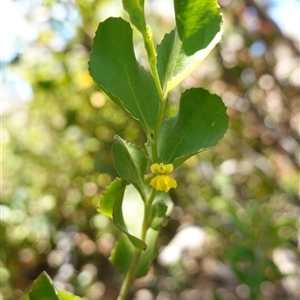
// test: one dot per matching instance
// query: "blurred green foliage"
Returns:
(56, 161)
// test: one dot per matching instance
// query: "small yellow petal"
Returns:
(161, 168)
(163, 183)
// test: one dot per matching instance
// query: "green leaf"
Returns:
(197, 22)
(43, 288)
(118, 216)
(135, 9)
(108, 198)
(111, 204)
(123, 252)
(130, 163)
(199, 124)
(64, 295)
(115, 69)
(184, 49)
(26, 296)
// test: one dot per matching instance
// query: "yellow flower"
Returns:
(162, 181)
(159, 169)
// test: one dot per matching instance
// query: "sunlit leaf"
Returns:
(199, 124)
(135, 9)
(197, 22)
(115, 69)
(198, 30)
(123, 252)
(111, 204)
(26, 296)
(108, 198)
(64, 295)
(43, 288)
(118, 217)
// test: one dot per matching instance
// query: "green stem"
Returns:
(149, 45)
(147, 214)
(130, 276)
(148, 39)
(160, 117)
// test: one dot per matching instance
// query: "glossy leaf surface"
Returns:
(135, 9)
(198, 30)
(197, 22)
(199, 124)
(42, 288)
(115, 69)
(111, 205)
(119, 216)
